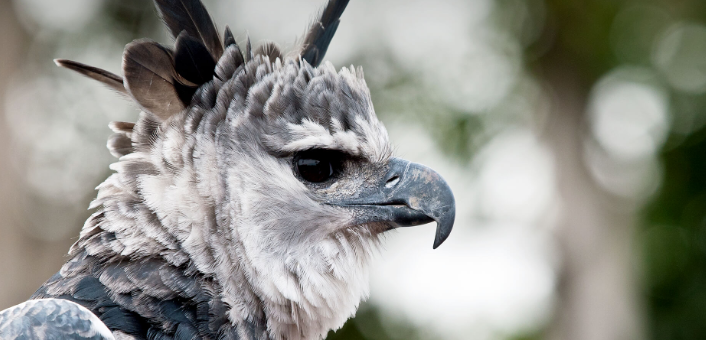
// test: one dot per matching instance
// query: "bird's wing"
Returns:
(51, 319)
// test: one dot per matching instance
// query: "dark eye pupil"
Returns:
(315, 170)
(318, 165)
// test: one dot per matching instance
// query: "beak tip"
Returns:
(443, 229)
(440, 238)
(437, 243)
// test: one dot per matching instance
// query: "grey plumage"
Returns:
(53, 319)
(122, 127)
(270, 50)
(119, 145)
(248, 197)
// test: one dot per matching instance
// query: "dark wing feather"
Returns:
(51, 319)
(321, 32)
(149, 78)
(191, 16)
(113, 81)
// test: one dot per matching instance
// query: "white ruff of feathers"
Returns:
(205, 189)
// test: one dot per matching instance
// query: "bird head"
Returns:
(271, 174)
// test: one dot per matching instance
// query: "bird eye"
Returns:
(316, 165)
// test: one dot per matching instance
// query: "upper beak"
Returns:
(409, 194)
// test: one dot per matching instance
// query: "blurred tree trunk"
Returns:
(597, 291)
(26, 262)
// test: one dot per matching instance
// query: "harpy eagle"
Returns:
(247, 199)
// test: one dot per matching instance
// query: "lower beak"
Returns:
(410, 194)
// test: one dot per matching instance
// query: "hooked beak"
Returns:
(410, 194)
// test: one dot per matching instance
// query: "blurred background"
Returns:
(572, 133)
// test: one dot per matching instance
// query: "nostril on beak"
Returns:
(392, 181)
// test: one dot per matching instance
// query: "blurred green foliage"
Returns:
(674, 244)
(590, 38)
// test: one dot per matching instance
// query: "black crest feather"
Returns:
(248, 50)
(321, 32)
(192, 60)
(191, 16)
(149, 77)
(109, 79)
(193, 63)
(163, 81)
(228, 38)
